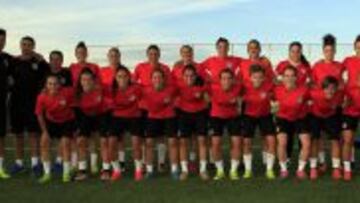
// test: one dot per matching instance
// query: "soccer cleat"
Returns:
(94, 169)
(313, 174)
(81, 176)
(116, 175)
(219, 175)
(138, 175)
(175, 175)
(347, 175)
(247, 174)
(45, 179)
(66, 177)
(105, 175)
(301, 175)
(204, 176)
(3, 174)
(184, 176)
(284, 174)
(270, 174)
(149, 175)
(37, 170)
(234, 175)
(16, 168)
(57, 168)
(161, 167)
(336, 174)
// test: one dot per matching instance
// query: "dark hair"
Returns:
(187, 46)
(81, 45)
(158, 70)
(198, 80)
(48, 76)
(28, 38)
(115, 49)
(115, 85)
(302, 57)
(56, 52)
(2, 32)
(79, 89)
(329, 80)
(256, 42)
(226, 71)
(292, 68)
(329, 40)
(222, 40)
(256, 68)
(153, 47)
(357, 39)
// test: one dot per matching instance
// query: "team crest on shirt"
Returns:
(6, 63)
(300, 100)
(132, 98)
(263, 95)
(34, 66)
(99, 98)
(62, 102)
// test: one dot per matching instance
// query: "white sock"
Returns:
(46, 165)
(115, 165)
(59, 160)
(1, 163)
(93, 159)
(234, 165)
(19, 162)
(74, 159)
(283, 166)
(248, 162)
(82, 165)
(149, 168)
(336, 162)
(219, 165)
(302, 165)
(121, 156)
(313, 162)
(34, 161)
(184, 166)
(192, 156)
(174, 168)
(105, 166)
(161, 153)
(270, 161)
(321, 157)
(66, 166)
(138, 165)
(347, 166)
(203, 164)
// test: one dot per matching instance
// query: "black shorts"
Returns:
(120, 126)
(92, 124)
(331, 126)
(192, 123)
(22, 117)
(265, 124)
(218, 126)
(161, 127)
(59, 130)
(349, 123)
(291, 128)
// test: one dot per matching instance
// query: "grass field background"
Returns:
(24, 188)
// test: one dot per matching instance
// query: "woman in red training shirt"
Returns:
(351, 116)
(192, 119)
(291, 119)
(126, 117)
(161, 121)
(81, 54)
(56, 119)
(92, 105)
(107, 78)
(225, 114)
(256, 114)
(142, 76)
(215, 64)
(325, 101)
(254, 51)
(297, 60)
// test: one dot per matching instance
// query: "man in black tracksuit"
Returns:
(28, 73)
